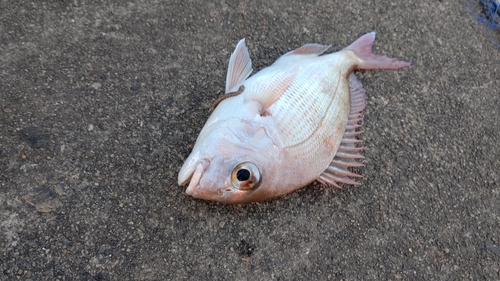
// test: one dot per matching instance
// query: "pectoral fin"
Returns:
(268, 89)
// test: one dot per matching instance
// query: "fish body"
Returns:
(280, 129)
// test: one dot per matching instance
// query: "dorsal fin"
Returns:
(240, 66)
(348, 150)
(309, 49)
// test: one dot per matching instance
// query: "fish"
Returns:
(292, 123)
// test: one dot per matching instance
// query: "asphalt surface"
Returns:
(100, 103)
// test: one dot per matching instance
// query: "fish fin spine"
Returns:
(349, 149)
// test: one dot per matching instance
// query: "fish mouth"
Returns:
(196, 177)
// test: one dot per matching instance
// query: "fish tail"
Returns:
(368, 60)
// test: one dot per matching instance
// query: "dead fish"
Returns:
(280, 129)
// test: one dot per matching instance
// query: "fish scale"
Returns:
(299, 115)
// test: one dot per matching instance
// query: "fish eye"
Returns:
(245, 176)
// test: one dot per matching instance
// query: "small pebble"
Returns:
(96, 86)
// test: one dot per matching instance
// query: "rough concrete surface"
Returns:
(101, 101)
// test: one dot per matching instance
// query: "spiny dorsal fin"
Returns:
(348, 151)
(240, 66)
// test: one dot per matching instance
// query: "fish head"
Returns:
(229, 167)
(218, 180)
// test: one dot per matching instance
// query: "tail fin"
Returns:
(368, 60)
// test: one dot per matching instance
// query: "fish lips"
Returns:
(196, 188)
(195, 178)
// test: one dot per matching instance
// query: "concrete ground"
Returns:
(100, 103)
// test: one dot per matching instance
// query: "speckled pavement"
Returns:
(100, 103)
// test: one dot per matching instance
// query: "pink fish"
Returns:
(291, 123)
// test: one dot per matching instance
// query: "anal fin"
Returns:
(349, 149)
(310, 49)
